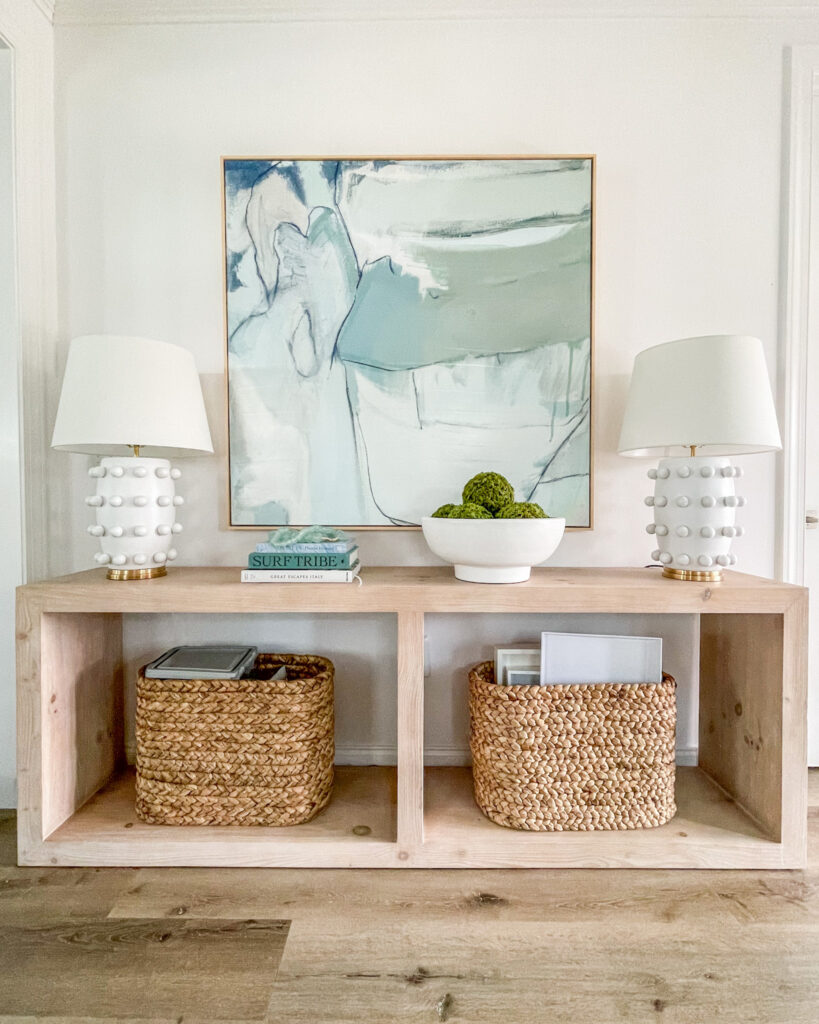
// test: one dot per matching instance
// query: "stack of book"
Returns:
(568, 659)
(312, 555)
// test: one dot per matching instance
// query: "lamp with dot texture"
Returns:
(709, 397)
(121, 396)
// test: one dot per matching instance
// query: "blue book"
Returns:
(307, 540)
(327, 548)
(290, 560)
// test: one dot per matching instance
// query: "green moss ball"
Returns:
(469, 510)
(444, 511)
(491, 490)
(521, 510)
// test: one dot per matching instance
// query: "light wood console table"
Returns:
(743, 807)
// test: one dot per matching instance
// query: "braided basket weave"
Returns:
(237, 752)
(572, 758)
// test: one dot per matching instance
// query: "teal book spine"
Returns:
(268, 560)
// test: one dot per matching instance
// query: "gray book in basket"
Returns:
(202, 661)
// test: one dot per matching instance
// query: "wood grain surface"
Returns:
(116, 967)
(81, 710)
(359, 825)
(413, 588)
(516, 946)
(69, 727)
(410, 707)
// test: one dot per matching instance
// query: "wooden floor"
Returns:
(372, 947)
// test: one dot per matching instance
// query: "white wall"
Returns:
(11, 551)
(684, 114)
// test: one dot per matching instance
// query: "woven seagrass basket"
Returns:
(572, 758)
(237, 752)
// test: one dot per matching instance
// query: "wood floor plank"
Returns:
(564, 1000)
(589, 898)
(162, 969)
(43, 896)
(87, 1020)
(527, 972)
(117, 1020)
(424, 895)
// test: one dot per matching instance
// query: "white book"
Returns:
(301, 575)
(567, 658)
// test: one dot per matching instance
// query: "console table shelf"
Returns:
(743, 807)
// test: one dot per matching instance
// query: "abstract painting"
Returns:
(395, 326)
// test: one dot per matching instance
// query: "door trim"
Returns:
(802, 98)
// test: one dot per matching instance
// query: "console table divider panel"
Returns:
(410, 739)
(745, 807)
(741, 705)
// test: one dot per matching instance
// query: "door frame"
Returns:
(801, 152)
(26, 29)
(801, 104)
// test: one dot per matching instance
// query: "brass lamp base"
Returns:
(694, 575)
(137, 574)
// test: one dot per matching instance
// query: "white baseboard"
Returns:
(8, 792)
(446, 756)
(435, 757)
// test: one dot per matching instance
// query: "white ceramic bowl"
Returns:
(493, 550)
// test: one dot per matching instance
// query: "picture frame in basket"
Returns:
(395, 325)
(521, 658)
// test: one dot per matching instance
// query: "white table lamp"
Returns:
(120, 396)
(697, 402)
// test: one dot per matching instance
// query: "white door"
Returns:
(11, 530)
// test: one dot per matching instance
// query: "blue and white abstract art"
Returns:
(396, 326)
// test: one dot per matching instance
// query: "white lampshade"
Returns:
(712, 392)
(120, 391)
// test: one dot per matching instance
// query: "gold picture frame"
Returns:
(267, 211)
